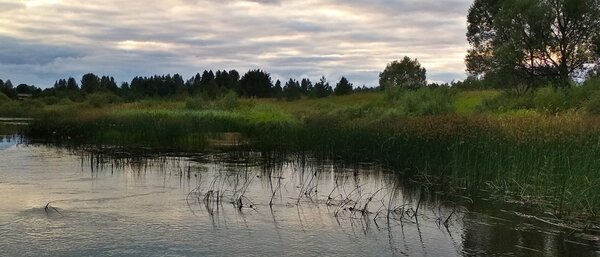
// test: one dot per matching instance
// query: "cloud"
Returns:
(7, 5)
(43, 40)
(16, 51)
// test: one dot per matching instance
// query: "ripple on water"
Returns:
(153, 208)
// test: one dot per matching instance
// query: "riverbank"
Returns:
(547, 160)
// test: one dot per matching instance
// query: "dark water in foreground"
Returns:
(217, 204)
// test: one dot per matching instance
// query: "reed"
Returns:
(549, 160)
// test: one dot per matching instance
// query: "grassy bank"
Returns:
(467, 141)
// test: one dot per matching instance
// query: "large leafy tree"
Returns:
(72, 84)
(60, 84)
(8, 89)
(90, 83)
(406, 73)
(528, 42)
(28, 89)
(255, 83)
(107, 83)
(234, 80)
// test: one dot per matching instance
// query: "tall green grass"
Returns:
(545, 152)
(549, 162)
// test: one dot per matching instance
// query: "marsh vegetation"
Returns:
(539, 148)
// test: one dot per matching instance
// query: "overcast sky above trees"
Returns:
(44, 40)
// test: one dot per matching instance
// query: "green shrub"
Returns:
(392, 93)
(268, 113)
(65, 101)
(34, 104)
(197, 103)
(51, 100)
(27, 108)
(551, 100)
(228, 102)
(507, 101)
(428, 101)
(355, 112)
(469, 102)
(102, 98)
(423, 101)
(592, 106)
(4, 98)
(580, 95)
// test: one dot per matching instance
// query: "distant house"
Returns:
(23, 96)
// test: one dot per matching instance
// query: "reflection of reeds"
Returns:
(223, 181)
(48, 208)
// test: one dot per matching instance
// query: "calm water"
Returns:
(218, 204)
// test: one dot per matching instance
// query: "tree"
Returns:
(222, 79)
(8, 84)
(60, 84)
(27, 89)
(406, 73)
(530, 42)
(594, 72)
(343, 87)
(255, 83)
(208, 78)
(108, 83)
(277, 90)
(322, 88)
(208, 84)
(8, 89)
(292, 90)
(72, 84)
(177, 86)
(234, 80)
(306, 86)
(194, 84)
(90, 83)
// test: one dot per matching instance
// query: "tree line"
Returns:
(211, 85)
(406, 73)
(516, 45)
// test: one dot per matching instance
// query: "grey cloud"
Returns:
(446, 7)
(291, 38)
(303, 26)
(229, 1)
(10, 5)
(266, 1)
(444, 76)
(15, 51)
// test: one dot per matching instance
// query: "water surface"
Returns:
(58, 202)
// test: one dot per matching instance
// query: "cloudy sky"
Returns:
(43, 40)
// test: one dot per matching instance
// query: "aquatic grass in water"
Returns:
(548, 161)
(169, 127)
(166, 128)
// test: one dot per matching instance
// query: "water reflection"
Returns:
(7, 141)
(116, 202)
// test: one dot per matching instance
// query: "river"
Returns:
(67, 202)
